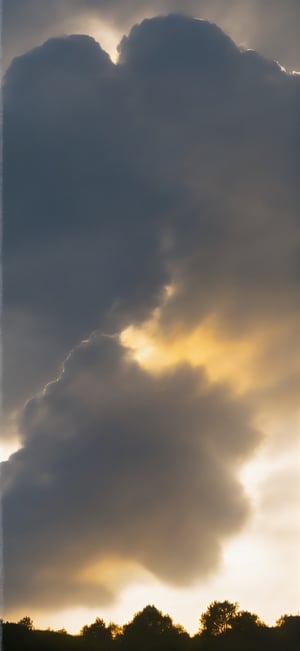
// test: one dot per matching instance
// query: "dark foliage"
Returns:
(223, 628)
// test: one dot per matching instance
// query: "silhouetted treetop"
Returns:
(218, 617)
(150, 626)
(246, 622)
(97, 634)
(27, 622)
(223, 628)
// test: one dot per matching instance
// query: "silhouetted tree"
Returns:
(97, 634)
(218, 617)
(224, 628)
(26, 622)
(245, 622)
(116, 630)
(288, 631)
(150, 629)
(289, 621)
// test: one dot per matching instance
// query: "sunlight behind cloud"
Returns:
(104, 34)
(7, 448)
(178, 164)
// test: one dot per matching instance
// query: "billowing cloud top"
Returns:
(271, 27)
(175, 168)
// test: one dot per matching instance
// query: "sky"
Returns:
(151, 316)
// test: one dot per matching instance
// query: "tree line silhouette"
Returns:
(222, 627)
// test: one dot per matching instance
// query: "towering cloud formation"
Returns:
(83, 228)
(120, 466)
(177, 167)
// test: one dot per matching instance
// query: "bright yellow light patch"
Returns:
(225, 359)
(257, 361)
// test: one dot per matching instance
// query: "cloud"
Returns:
(81, 219)
(180, 162)
(227, 139)
(160, 43)
(272, 27)
(177, 167)
(118, 464)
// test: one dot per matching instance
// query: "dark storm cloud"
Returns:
(227, 138)
(271, 26)
(81, 234)
(178, 165)
(119, 464)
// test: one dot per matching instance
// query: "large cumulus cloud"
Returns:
(119, 464)
(81, 218)
(178, 167)
(227, 138)
(270, 26)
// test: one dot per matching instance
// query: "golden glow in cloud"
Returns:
(226, 358)
(256, 359)
(113, 571)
